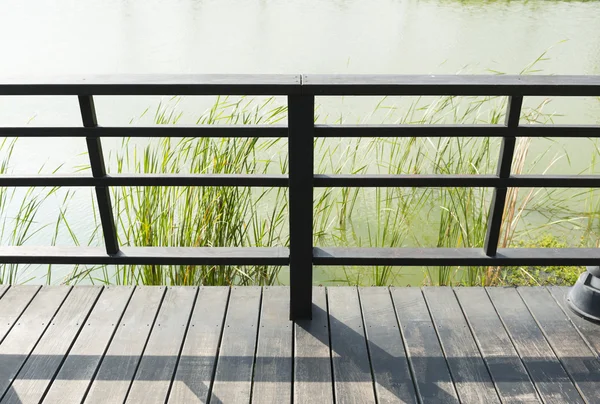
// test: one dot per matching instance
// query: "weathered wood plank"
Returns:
(589, 330)
(471, 377)
(197, 363)
(312, 358)
(575, 355)
(145, 131)
(38, 371)
(80, 365)
(233, 377)
(556, 346)
(157, 366)
(417, 256)
(145, 255)
(387, 84)
(12, 305)
(273, 364)
(23, 336)
(389, 180)
(393, 381)
(118, 366)
(155, 84)
(351, 369)
(134, 180)
(405, 130)
(429, 366)
(547, 373)
(508, 372)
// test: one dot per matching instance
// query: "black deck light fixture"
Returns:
(584, 297)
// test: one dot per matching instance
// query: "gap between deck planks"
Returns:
(384, 345)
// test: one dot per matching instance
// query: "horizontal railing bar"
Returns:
(424, 180)
(159, 84)
(73, 255)
(262, 131)
(455, 256)
(375, 181)
(389, 130)
(224, 84)
(119, 180)
(344, 131)
(279, 131)
(319, 180)
(145, 255)
(576, 131)
(458, 85)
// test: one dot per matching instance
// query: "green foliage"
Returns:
(19, 225)
(533, 276)
(198, 216)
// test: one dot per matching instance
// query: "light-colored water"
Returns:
(69, 37)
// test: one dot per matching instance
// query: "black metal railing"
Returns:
(301, 132)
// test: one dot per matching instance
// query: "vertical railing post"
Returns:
(301, 112)
(88, 116)
(505, 160)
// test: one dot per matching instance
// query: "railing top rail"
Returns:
(292, 84)
(451, 85)
(155, 84)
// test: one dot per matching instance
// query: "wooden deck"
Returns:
(185, 345)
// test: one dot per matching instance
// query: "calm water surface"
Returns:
(69, 37)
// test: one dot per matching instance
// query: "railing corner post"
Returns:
(301, 165)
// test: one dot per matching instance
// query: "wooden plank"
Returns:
(174, 180)
(580, 362)
(436, 130)
(233, 377)
(508, 372)
(319, 180)
(155, 372)
(197, 363)
(312, 356)
(453, 256)
(383, 180)
(588, 330)
(352, 376)
(154, 84)
(469, 372)
(548, 375)
(23, 336)
(319, 84)
(321, 130)
(220, 131)
(38, 371)
(145, 255)
(400, 130)
(80, 365)
(273, 364)
(387, 84)
(392, 377)
(426, 359)
(121, 360)
(13, 304)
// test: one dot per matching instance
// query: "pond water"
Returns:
(69, 37)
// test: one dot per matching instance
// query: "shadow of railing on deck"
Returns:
(188, 368)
